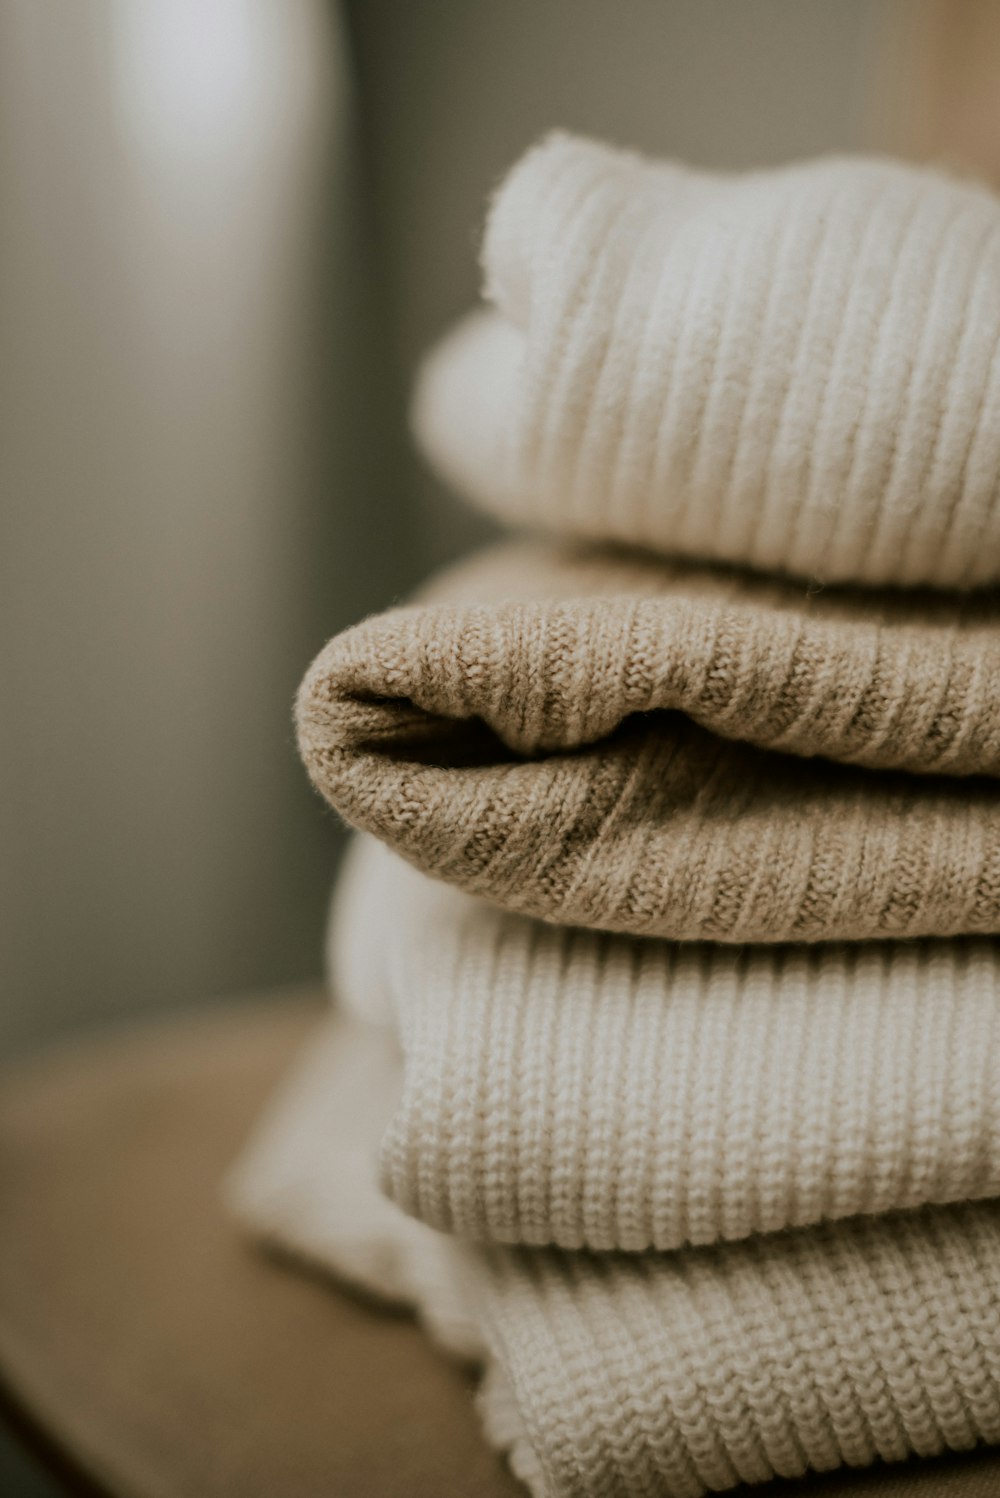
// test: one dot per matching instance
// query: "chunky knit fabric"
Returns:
(796, 369)
(654, 1374)
(711, 1213)
(582, 1090)
(675, 1374)
(582, 743)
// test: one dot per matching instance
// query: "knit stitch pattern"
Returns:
(797, 369)
(562, 1087)
(683, 1373)
(595, 742)
(629, 1376)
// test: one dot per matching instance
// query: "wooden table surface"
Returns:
(147, 1342)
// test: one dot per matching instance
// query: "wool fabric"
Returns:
(705, 1213)
(669, 751)
(564, 1087)
(797, 369)
(653, 1375)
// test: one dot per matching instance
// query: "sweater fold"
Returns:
(647, 748)
(793, 369)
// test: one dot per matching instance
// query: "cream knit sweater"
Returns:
(564, 1087)
(583, 738)
(651, 1375)
(796, 369)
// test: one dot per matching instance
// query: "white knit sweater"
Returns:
(566, 1087)
(796, 369)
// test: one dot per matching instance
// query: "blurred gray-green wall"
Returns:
(227, 228)
(195, 490)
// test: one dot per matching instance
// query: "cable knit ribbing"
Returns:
(561, 1087)
(629, 1376)
(580, 744)
(795, 369)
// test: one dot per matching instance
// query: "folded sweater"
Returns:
(564, 1087)
(796, 369)
(672, 751)
(651, 1375)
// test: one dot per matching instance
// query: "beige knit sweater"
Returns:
(563, 1087)
(651, 1375)
(796, 369)
(615, 743)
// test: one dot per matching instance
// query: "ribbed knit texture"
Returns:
(579, 744)
(796, 369)
(561, 1087)
(656, 1375)
(667, 1376)
(711, 1213)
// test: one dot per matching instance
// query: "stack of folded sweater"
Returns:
(668, 1012)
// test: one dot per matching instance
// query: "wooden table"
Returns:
(146, 1343)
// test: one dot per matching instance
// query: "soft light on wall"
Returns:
(197, 81)
(184, 349)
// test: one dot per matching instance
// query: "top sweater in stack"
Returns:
(792, 369)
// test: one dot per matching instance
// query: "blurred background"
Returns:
(228, 230)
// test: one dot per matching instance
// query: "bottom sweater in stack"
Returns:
(590, 1117)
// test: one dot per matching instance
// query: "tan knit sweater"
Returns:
(595, 740)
